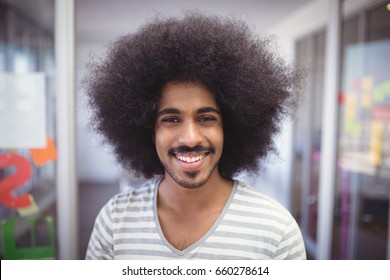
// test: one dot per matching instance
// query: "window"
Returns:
(361, 217)
(27, 59)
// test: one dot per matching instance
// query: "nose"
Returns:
(190, 135)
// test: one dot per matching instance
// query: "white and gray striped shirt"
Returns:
(251, 226)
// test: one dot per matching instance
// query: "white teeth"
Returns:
(190, 159)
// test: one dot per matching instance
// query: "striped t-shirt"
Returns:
(251, 226)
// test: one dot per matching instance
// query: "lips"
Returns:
(191, 159)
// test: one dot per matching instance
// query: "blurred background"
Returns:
(332, 170)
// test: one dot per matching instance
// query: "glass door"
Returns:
(27, 124)
(361, 217)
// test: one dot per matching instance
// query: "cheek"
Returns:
(162, 140)
(217, 138)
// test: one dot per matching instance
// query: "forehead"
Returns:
(186, 95)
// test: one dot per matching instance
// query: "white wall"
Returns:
(95, 161)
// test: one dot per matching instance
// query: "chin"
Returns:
(189, 179)
(191, 185)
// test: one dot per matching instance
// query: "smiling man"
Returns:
(189, 103)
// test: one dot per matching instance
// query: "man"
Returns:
(190, 102)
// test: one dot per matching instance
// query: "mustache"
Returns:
(187, 149)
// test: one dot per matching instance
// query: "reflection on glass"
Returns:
(26, 50)
(361, 224)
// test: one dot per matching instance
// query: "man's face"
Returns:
(189, 134)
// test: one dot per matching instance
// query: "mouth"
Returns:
(190, 161)
(191, 158)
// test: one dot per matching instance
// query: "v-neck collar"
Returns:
(204, 237)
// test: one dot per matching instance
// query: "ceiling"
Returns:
(39, 11)
(102, 21)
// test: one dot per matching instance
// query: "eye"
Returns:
(206, 119)
(170, 120)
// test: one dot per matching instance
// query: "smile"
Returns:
(191, 159)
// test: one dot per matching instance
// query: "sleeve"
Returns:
(100, 246)
(291, 246)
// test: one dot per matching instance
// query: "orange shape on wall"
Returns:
(42, 156)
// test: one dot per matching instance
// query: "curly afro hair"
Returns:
(254, 88)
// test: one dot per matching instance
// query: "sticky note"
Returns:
(44, 155)
(376, 142)
(366, 100)
(29, 210)
(350, 106)
(22, 110)
(367, 84)
(352, 127)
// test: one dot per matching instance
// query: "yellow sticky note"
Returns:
(376, 142)
(367, 83)
(366, 100)
(27, 211)
(350, 106)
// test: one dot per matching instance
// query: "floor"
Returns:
(92, 197)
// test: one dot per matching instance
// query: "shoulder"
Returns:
(140, 195)
(272, 220)
(254, 198)
(137, 192)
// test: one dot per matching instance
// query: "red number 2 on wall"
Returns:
(15, 180)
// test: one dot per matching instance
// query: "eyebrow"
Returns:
(167, 111)
(202, 110)
(208, 110)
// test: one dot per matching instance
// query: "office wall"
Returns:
(95, 162)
